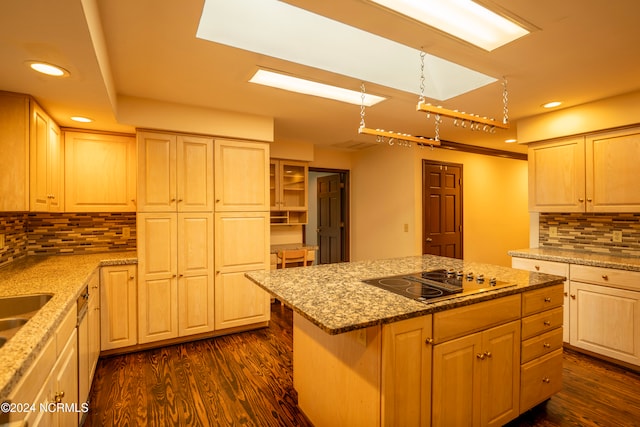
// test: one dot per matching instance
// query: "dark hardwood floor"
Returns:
(246, 379)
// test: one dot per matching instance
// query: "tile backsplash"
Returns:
(591, 232)
(44, 233)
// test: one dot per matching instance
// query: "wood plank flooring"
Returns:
(246, 379)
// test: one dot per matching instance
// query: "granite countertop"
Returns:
(334, 298)
(65, 278)
(582, 258)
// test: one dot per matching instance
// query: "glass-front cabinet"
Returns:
(288, 191)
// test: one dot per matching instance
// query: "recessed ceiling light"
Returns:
(307, 87)
(81, 119)
(552, 104)
(48, 69)
(510, 141)
(463, 19)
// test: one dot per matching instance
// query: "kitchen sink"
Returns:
(22, 304)
(15, 311)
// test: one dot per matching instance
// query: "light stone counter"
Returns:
(581, 258)
(62, 276)
(334, 298)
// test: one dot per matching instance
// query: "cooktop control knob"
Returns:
(470, 275)
(451, 272)
(480, 278)
(459, 274)
(493, 281)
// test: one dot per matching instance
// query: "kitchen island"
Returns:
(367, 356)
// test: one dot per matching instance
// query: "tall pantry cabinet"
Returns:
(176, 229)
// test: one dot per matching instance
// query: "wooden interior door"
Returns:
(329, 219)
(442, 209)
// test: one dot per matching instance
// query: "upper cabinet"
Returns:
(585, 174)
(14, 143)
(288, 191)
(240, 176)
(46, 165)
(175, 173)
(100, 172)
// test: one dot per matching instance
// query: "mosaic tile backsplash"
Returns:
(592, 232)
(43, 233)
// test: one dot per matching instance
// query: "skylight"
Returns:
(279, 30)
(461, 18)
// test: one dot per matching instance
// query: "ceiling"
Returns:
(578, 51)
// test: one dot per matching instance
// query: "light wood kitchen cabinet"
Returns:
(605, 312)
(241, 176)
(89, 339)
(46, 168)
(175, 173)
(118, 320)
(100, 172)
(241, 245)
(175, 286)
(593, 173)
(14, 162)
(288, 191)
(406, 372)
(53, 378)
(476, 378)
(550, 267)
(541, 352)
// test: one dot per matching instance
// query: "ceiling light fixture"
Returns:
(81, 119)
(510, 140)
(552, 104)
(48, 69)
(463, 19)
(308, 87)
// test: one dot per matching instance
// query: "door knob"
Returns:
(428, 239)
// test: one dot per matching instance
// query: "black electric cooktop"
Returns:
(436, 284)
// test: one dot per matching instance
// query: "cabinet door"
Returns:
(46, 178)
(195, 273)
(156, 172)
(406, 372)
(65, 382)
(55, 166)
(93, 320)
(194, 174)
(500, 394)
(605, 320)
(157, 283)
(14, 162)
(100, 172)
(456, 382)
(293, 185)
(241, 244)
(241, 176)
(612, 172)
(557, 176)
(118, 307)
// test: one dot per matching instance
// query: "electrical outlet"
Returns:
(2, 242)
(553, 231)
(126, 232)
(406, 228)
(617, 236)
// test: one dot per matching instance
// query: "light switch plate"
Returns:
(126, 232)
(553, 231)
(617, 236)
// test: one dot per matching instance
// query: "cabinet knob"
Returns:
(172, 200)
(573, 296)
(589, 200)
(57, 397)
(566, 294)
(132, 277)
(547, 323)
(547, 299)
(488, 354)
(428, 341)
(605, 277)
(480, 356)
(217, 200)
(537, 267)
(179, 200)
(546, 345)
(581, 200)
(546, 380)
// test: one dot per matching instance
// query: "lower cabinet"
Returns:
(476, 378)
(241, 245)
(406, 372)
(52, 380)
(118, 307)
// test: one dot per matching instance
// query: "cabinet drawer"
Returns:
(542, 322)
(476, 317)
(542, 299)
(540, 266)
(541, 345)
(606, 276)
(540, 379)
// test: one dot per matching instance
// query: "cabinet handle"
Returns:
(58, 396)
(546, 380)
(546, 345)
(428, 341)
(547, 323)
(537, 267)
(573, 296)
(605, 277)
(547, 299)
(480, 356)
